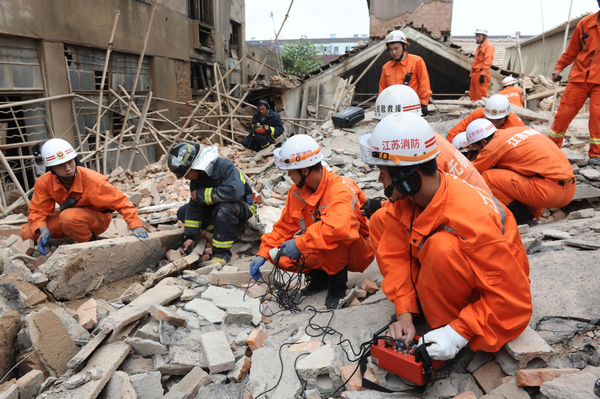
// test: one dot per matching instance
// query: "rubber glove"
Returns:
(371, 206)
(443, 343)
(255, 265)
(290, 250)
(44, 240)
(139, 232)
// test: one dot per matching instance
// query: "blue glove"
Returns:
(139, 232)
(290, 250)
(255, 265)
(44, 240)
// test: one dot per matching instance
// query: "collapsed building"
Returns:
(124, 318)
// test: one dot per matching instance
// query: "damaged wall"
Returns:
(435, 16)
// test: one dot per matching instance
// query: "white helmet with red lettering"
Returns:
(460, 142)
(395, 36)
(481, 32)
(509, 81)
(57, 151)
(478, 130)
(403, 139)
(299, 151)
(397, 98)
(496, 107)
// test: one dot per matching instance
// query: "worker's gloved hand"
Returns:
(139, 232)
(424, 109)
(371, 206)
(267, 128)
(69, 203)
(481, 78)
(43, 240)
(443, 343)
(556, 76)
(255, 265)
(290, 250)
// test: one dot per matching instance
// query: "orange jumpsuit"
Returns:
(334, 233)
(450, 160)
(514, 95)
(469, 266)
(484, 56)
(527, 168)
(512, 121)
(393, 73)
(92, 214)
(584, 82)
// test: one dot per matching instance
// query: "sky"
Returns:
(345, 18)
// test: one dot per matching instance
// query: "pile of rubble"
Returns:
(116, 318)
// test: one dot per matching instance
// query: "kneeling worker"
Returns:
(221, 198)
(512, 91)
(449, 249)
(325, 208)
(265, 127)
(497, 111)
(86, 198)
(524, 169)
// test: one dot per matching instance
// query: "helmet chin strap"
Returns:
(71, 178)
(303, 179)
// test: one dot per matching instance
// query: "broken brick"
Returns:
(170, 316)
(536, 377)
(256, 339)
(489, 376)
(369, 286)
(353, 379)
(241, 369)
(88, 315)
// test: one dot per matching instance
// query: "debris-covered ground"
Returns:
(128, 318)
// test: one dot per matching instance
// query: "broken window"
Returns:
(234, 40)
(19, 64)
(206, 12)
(201, 76)
(193, 9)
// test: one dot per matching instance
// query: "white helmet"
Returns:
(402, 139)
(299, 151)
(205, 161)
(496, 107)
(509, 80)
(395, 36)
(397, 98)
(481, 32)
(57, 151)
(460, 142)
(478, 130)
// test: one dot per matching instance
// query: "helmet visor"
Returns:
(177, 166)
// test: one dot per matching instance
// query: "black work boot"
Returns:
(336, 289)
(521, 214)
(316, 281)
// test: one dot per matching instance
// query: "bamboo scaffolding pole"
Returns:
(140, 126)
(77, 131)
(218, 90)
(20, 149)
(109, 48)
(35, 101)
(522, 70)
(556, 84)
(137, 76)
(14, 179)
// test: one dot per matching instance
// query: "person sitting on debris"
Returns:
(450, 251)
(400, 98)
(325, 208)
(86, 198)
(497, 110)
(479, 78)
(265, 127)
(221, 198)
(512, 91)
(405, 69)
(523, 168)
(584, 80)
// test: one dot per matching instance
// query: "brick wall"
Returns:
(435, 17)
(184, 88)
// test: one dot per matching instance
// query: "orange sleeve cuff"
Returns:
(461, 327)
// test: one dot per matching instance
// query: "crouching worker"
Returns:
(86, 198)
(221, 199)
(265, 127)
(325, 208)
(450, 251)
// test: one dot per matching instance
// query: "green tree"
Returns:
(300, 58)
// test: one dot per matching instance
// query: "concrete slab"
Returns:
(188, 387)
(73, 270)
(119, 386)
(217, 352)
(147, 386)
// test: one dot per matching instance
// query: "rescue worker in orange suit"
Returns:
(583, 82)
(497, 111)
(325, 208)
(86, 198)
(265, 127)
(405, 69)
(399, 98)
(512, 91)
(450, 251)
(480, 69)
(523, 168)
